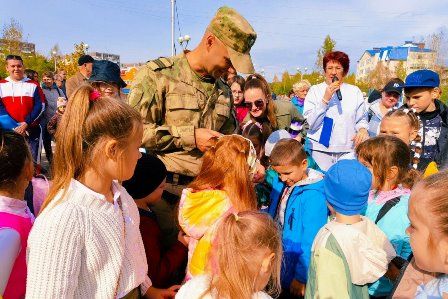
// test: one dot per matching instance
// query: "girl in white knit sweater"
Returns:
(86, 241)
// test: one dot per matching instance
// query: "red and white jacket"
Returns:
(23, 101)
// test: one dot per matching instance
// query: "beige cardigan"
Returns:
(77, 247)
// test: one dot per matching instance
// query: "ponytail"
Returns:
(88, 119)
(239, 237)
(410, 178)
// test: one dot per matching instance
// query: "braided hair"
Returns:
(415, 123)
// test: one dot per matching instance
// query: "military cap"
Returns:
(237, 35)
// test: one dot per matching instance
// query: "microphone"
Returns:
(338, 92)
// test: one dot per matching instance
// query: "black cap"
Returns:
(394, 85)
(85, 59)
(106, 71)
(148, 175)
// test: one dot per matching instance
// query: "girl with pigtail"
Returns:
(223, 185)
(247, 256)
(388, 159)
(406, 125)
(86, 241)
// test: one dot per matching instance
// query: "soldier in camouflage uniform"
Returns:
(185, 104)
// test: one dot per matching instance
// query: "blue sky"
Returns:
(289, 32)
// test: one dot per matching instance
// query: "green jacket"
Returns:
(329, 275)
(346, 258)
(173, 100)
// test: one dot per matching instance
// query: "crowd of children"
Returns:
(374, 225)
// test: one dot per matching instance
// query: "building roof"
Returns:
(399, 53)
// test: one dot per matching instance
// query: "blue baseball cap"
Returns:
(422, 78)
(347, 184)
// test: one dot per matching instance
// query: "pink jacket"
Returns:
(17, 279)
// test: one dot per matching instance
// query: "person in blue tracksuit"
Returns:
(300, 209)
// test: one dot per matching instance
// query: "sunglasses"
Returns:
(258, 104)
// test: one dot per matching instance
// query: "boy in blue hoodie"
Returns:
(300, 209)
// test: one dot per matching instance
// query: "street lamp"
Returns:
(54, 57)
(184, 40)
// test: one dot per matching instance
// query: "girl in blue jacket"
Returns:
(300, 209)
(388, 158)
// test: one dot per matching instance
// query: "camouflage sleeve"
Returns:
(147, 97)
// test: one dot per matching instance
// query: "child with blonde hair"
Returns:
(428, 233)
(223, 185)
(405, 125)
(388, 159)
(16, 220)
(247, 253)
(86, 241)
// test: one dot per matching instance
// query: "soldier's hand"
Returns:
(205, 138)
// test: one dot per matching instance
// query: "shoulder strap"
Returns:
(159, 63)
(386, 208)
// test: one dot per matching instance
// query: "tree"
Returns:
(69, 62)
(328, 46)
(379, 76)
(400, 70)
(12, 35)
(37, 62)
(438, 42)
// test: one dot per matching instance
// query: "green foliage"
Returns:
(69, 62)
(39, 63)
(400, 71)
(12, 35)
(284, 86)
(444, 97)
(328, 46)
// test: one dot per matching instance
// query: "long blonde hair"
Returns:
(225, 167)
(88, 120)
(239, 237)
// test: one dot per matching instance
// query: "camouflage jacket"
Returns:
(173, 100)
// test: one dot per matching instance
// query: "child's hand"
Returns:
(259, 173)
(297, 288)
(360, 137)
(154, 293)
(183, 238)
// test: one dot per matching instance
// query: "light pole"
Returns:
(173, 2)
(184, 40)
(54, 57)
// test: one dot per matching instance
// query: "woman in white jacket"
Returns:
(336, 114)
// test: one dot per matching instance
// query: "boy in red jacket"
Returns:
(23, 102)
(166, 266)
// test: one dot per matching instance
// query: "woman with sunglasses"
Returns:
(106, 78)
(336, 113)
(272, 115)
